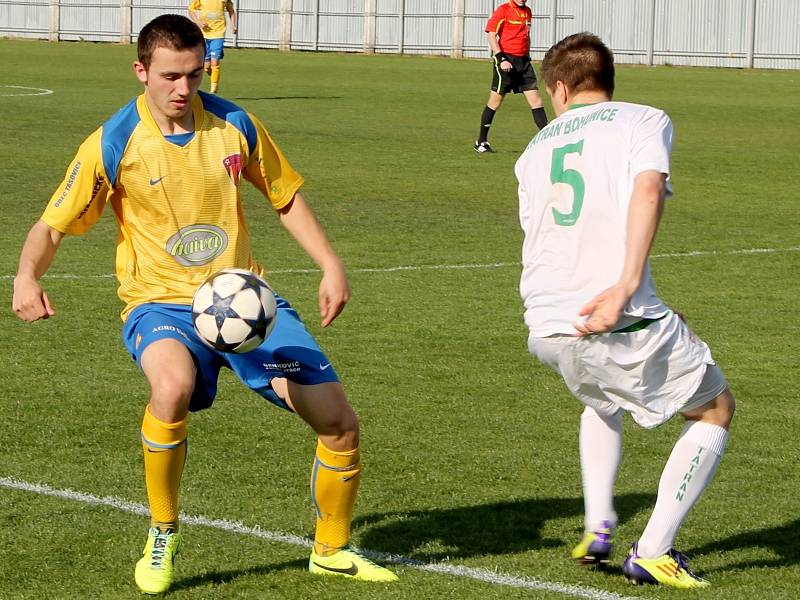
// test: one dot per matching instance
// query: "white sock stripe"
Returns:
(707, 435)
(478, 574)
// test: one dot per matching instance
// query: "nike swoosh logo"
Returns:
(325, 366)
(352, 570)
(155, 181)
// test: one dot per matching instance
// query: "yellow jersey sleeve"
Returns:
(269, 171)
(80, 199)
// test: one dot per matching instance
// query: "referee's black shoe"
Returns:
(483, 147)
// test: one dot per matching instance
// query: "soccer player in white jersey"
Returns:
(592, 186)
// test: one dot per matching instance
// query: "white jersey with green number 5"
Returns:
(575, 184)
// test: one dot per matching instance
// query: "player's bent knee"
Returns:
(340, 443)
(717, 412)
(338, 431)
(326, 409)
(727, 404)
(170, 396)
(173, 391)
(341, 423)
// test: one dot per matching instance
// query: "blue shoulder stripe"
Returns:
(233, 114)
(116, 133)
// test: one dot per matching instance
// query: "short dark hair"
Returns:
(175, 32)
(582, 61)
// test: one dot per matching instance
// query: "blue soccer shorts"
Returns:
(289, 351)
(215, 49)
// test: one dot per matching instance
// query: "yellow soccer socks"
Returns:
(334, 484)
(164, 446)
(215, 75)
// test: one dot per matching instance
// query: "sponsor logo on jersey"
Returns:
(178, 330)
(287, 367)
(70, 183)
(198, 244)
(233, 166)
(98, 184)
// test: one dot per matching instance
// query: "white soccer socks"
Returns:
(688, 471)
(600, 441)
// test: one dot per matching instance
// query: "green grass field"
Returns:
(470, 447)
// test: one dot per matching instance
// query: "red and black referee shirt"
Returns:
(512, 25)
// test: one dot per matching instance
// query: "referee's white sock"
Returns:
(600, 441)
(690, 468)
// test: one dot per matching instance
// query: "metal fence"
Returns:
(725, 33)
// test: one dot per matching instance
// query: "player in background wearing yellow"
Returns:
(592, 186)
(170, 163)
(210, 18)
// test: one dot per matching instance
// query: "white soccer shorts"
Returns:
(652, 373)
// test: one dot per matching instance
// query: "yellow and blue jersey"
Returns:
(178, 206)
(213, 13)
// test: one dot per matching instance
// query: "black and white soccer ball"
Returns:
(234, 310)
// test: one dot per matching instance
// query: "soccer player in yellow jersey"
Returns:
(210, 17)
(170, 163)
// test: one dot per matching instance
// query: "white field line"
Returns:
(36, 91)
(485, 575)
(497, 265)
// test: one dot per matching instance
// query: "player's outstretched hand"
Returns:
(603, 311)
(30, 301)
(334, 293)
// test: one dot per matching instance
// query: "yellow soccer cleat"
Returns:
(154, 570)
(670, 569)
(349, 563)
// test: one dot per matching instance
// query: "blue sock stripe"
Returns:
(314, 470)
(336, 469)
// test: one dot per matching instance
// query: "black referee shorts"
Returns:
(520, 78)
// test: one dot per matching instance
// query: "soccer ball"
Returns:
(234, 310)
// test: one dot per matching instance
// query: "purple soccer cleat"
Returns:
(595, 546)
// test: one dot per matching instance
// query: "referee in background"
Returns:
(508, 32)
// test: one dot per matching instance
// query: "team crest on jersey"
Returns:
(233, 166)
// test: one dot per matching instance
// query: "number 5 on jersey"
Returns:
(570, 177)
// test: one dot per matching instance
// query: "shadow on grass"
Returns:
(782, 540)
(499, 528)
(222, 577)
